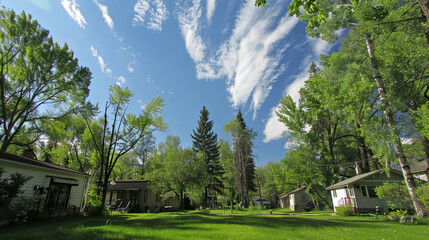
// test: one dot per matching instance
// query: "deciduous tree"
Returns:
(120, 131)
(39, 79)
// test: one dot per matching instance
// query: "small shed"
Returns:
(136, 194)
(54, 189)
(296, 199)
(359, 191)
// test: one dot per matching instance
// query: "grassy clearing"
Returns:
(197, 225)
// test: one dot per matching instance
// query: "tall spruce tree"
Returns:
(204, 140)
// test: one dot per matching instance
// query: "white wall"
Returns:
(39, 177)
(341, 193)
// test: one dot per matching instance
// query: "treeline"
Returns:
(210, 173)
(44, 111)
(362, 103)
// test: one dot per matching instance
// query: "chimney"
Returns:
(358, 169)
(29, 153)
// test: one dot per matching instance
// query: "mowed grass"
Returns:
(197, 225)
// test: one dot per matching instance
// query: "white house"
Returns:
(295, 200)
(359, 191)
(52, 188)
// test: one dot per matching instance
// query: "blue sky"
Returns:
(226, 55)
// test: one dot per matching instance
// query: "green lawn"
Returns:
(196, 225)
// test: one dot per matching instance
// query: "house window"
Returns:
(371, 191)
(58, 196)
(363, 191)
(368, 191)
(334, 193)
(145, 196)
(304, 197)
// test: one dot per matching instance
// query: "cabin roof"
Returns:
(34, 162)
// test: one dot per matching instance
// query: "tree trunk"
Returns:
(182, 202)
(409, 180)
(85, 196)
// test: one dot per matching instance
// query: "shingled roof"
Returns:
(294, 191)
(353, 179)
(34, 162)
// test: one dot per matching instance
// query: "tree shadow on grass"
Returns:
(139, 226)
(203, 221)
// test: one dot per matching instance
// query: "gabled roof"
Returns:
(130, 180)
(294, 191)
(353, 179)
(418, 166)
(34, 162)
(127, 185)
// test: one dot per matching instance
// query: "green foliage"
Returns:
(395, 194)
(396, 215)
(40, 80)
(267, 182)
(344, 211)
(178, 170)
(94, 202)
(127, 167)
(116, 133)
(243, 163)
(204, 141)
(422, 117)
(423, 195)
(9, 190)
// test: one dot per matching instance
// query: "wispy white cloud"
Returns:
(252, 56)
(105, 13)
(72, 8)
(211, 6)
(150, 14)
(101, 62)
(274, 129)
(189, 26)
(250, 59)
(121, 81)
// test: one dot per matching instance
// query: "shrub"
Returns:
(423, 196)
(10, 207)
(395, 194)
(397, 214)
(344, 211)
(94, 202)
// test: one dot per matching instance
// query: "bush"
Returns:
(93, 203)
(11, 208)
(396, 215)
(423, 196)
(395, 194)
(344, 211)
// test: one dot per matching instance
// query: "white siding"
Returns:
(341, 193)
(39, 178)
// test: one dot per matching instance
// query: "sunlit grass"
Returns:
(197, 225)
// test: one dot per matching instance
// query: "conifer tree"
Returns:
(249, 163)
(204, 140)
(243, 163)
